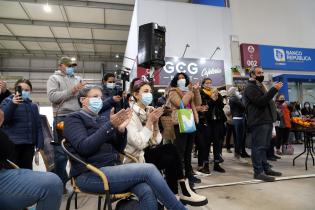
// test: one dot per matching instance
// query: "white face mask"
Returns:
(110, 85)
(181, 83)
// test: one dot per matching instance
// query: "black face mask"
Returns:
(281, 101)
(260, 78)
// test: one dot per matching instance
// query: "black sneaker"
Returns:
(218, 168)
(271, 158)
(264, 177)
(194, 179)
(276, 156)
(271, 172)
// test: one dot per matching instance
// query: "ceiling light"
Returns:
(47, 8)
(73, 59)
(202, 60)
(116, 65)
(117, 55)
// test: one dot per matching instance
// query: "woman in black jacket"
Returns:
(211, 127)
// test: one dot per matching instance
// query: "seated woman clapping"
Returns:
(98, 140)
(143, 142)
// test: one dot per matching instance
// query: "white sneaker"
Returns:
(190, 197)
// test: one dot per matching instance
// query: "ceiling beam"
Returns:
(83, 3)
(62, 40)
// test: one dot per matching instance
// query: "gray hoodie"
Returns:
(59, 91)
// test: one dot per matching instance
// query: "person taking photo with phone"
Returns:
(22, 124)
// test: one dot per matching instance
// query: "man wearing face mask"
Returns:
(62, 90)
(111, 93)
(261, 112)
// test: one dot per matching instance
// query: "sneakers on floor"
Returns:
(271, 172)
(204, 171)
(264, 177)
(194, 179)
(218, 168)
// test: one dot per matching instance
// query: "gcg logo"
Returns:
(279, 55)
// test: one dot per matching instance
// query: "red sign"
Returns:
(145, 72)
(250, 55)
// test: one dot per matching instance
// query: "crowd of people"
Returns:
(100, 122)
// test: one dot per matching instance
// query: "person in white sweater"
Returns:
(144, 143)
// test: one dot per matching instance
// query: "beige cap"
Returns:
(67, 61)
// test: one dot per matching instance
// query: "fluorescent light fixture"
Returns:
(47, 8)
(161, 90)
(202, 60)
(73, 59)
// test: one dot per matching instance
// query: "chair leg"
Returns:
(108, 201)
(69, 201)
(99, 204)
(76, 200)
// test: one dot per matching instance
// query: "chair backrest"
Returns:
(70, 155)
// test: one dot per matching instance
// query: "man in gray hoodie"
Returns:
(62, 90)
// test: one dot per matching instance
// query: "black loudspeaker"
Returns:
(151, 50)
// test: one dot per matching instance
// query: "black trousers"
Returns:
(229, 132)
(282, 136)
(184, 144)
(213, 132)
(23, 155)
(165, 157)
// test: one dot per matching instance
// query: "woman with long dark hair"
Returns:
(181, 90)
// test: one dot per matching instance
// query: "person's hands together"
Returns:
(121, 119)
(117, 98)
(153, 116)
(78, 86)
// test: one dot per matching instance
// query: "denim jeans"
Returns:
(261, 137)
(20, 188)
(239, 141)
(142, 179)
(60, 157)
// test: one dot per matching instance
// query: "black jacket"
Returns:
(215, 110)
(260, 108)
(236, 106)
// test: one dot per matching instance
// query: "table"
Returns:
(308, 143)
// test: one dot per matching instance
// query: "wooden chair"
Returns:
(109, 198)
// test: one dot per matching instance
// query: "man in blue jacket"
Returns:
(260, 113)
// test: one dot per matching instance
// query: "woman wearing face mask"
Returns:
(99, 141)
(22, 124)
(212, 127)
(144, 140)
(283, 129)
(182, 90)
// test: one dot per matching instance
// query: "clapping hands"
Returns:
(121, 119)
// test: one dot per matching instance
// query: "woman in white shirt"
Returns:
(143, 142)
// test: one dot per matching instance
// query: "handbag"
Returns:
(287, 149)
(186, 120)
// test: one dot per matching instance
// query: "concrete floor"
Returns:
(295, 194)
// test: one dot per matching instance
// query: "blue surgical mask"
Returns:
(181, 83)
(95, 105)
(26, 94)
(70, 71)
(146, 98)
(110, 85)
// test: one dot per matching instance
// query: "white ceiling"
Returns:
(26, 28)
